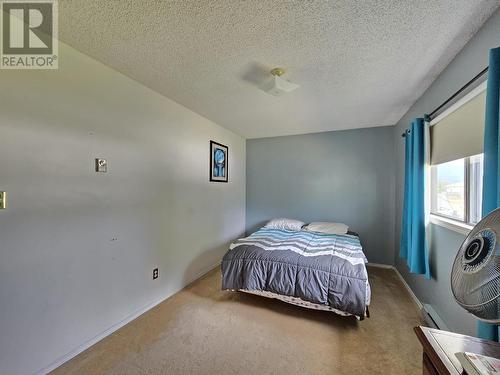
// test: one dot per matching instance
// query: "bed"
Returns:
(313, 270)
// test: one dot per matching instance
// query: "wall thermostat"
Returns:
(101, 165)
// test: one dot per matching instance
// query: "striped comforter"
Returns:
(318, 268)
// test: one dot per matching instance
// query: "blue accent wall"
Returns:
(342, 176)
(357, 177)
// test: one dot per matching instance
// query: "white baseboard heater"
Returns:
(432, 319)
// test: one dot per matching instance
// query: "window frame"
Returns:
(451, 224)
(463, 227)
(467, 198)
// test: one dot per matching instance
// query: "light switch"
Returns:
(3, 200)
(101, 165)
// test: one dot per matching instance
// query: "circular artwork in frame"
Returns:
(219, 165)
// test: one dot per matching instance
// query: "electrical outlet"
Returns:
(155, 273)
(101, 165)
(3, 200)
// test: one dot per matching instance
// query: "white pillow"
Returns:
(285, 224)
(328, 228)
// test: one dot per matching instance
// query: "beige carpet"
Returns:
(202, 330)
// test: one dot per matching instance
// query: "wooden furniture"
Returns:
(439, 348)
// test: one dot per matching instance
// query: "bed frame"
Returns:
(299, 302)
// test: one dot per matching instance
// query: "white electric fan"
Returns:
(475, 275)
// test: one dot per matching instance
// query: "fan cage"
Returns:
(475, 275)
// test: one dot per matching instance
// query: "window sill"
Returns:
(451, 224)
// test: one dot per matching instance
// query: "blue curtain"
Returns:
(413, 246)
(491, 190)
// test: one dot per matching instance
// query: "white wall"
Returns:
(77, 248)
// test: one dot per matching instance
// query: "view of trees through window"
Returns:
(449, 194)
(456, 189)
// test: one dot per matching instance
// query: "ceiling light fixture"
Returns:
(278, 86)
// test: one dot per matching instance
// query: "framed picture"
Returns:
(219, 166)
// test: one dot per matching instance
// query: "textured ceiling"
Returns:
(359, 63)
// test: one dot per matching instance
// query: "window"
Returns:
(475, 188)
(456, 175)
(456, 189)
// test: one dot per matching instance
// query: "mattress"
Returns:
(305, 267)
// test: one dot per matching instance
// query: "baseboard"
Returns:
(63, 359)
(410, 291)
(432, 318)
(380, 265)
(201, 274)
(412, 295)
(66, 357)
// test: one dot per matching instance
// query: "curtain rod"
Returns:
(432, 115)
